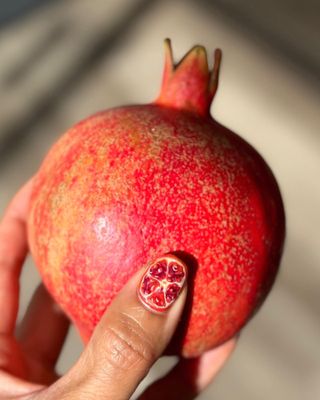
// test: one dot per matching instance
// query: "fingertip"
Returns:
(162, 283)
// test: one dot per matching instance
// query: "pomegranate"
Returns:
(130, 184)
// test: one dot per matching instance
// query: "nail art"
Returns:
(162, 283)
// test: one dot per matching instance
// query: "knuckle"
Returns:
(125, 351)
(126, 345)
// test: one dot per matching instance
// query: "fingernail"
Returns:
(162, 283)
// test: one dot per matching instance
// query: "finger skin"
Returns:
(124, 346)
(42, 332)
(190, 376)
(13, 250)
(14, 388)
(12, 359)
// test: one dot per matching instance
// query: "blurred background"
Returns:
(62, 60)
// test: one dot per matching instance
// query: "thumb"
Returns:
(132, 334)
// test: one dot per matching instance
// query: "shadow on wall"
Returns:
(289, 28)
(16, 135)
(13, 9)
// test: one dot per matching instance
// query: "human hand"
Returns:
(125, 344)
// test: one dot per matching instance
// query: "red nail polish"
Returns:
(162, 283)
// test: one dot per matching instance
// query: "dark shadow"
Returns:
(192, 264)
(270, 30)
(40, 50)
(11, 10)
(179, 383)
(15, 137)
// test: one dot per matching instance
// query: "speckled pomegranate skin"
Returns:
(130, 184)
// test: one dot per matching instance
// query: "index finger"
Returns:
(13, 250)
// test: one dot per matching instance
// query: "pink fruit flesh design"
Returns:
(127, 185)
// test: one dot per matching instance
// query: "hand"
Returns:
(125, 344)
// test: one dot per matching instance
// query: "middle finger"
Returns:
(42, 333)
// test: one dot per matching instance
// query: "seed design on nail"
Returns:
(162, 283)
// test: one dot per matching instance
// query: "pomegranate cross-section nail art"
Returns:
(162, 283)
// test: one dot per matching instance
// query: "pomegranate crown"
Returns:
(189, 85)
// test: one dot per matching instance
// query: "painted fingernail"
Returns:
(162, 283)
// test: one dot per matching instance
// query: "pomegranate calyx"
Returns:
(189, 85)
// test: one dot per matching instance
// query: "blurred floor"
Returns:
(61, 62)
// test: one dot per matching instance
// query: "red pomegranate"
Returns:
(130, 184)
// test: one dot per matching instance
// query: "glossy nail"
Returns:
(162, 283)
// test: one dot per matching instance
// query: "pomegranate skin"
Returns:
(129, 184)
